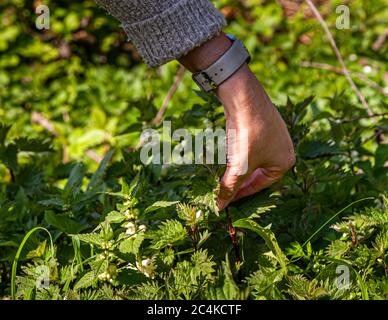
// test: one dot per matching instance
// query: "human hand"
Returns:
(248, 109)
(270, 151)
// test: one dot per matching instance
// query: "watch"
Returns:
(210, 78)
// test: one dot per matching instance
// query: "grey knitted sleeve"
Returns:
(164, 30)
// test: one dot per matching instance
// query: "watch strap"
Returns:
(210, 78)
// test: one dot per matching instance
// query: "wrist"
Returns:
(239, 91)
(205, 55)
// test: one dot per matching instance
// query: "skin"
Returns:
(246, 106)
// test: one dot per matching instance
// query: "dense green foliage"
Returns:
(73, 102)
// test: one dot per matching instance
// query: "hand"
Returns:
(270, 151)
(247, 107)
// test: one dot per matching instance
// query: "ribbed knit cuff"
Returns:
(176, 31)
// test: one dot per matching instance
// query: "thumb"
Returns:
(229, 186)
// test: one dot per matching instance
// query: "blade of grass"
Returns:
(77, 252)
(17, 256)
(333, 217)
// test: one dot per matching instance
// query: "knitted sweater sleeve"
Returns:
(164, 30)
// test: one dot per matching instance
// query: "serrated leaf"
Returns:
(381, 156)
(90, 238)
(8, 155)
(63, 223)
(268, 237)
(132, 244)
(159, 205)
(33, 145)
(97, 177)
(115, 217)
(4, 129)
(208, 200)
(52, 202)
(170, 232)
(74, 182)
(316, 149)
(86, 281)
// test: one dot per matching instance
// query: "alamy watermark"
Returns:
(343, 20)
(42, 277)
(43, 20)
(342, 281)
(197, 146)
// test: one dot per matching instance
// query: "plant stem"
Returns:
(339, 57)
(232, 233)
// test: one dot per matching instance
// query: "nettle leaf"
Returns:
(63, 223)
(209, 200)
(115, 217)
(97, 178)
(53, 202)
(8, 155)
(230, 289)
(381, 155)
(106, 231)
(129, 190)
(99, 266)
(74, 182)
(86, 281)
(203, 264)
(170, 232)
(4, 129)
(316, 149)
(39, 251)
(90, 238)
(300, 109)
(203, 236)
(159, 205)
(33, 145)
(268, 237)
(132, 244)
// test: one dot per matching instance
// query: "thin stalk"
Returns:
(232, 233)
(17, 256)
(333, 217)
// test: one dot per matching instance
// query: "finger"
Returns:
(260, 179)
(229, 186)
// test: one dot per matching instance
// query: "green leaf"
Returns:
(159, 205)
(268, 237)
(4, 129)
(381, 156)
(8, 155)
(316, 149)
(74, 182)
(63, 223)
(115, 217)
(209, 200)
(39, 251)
(132, 244)
(90, 238)
(33, 145)
(230, 289)
(97, 178)
(170, 232)
(52, 202)
(86, 281)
